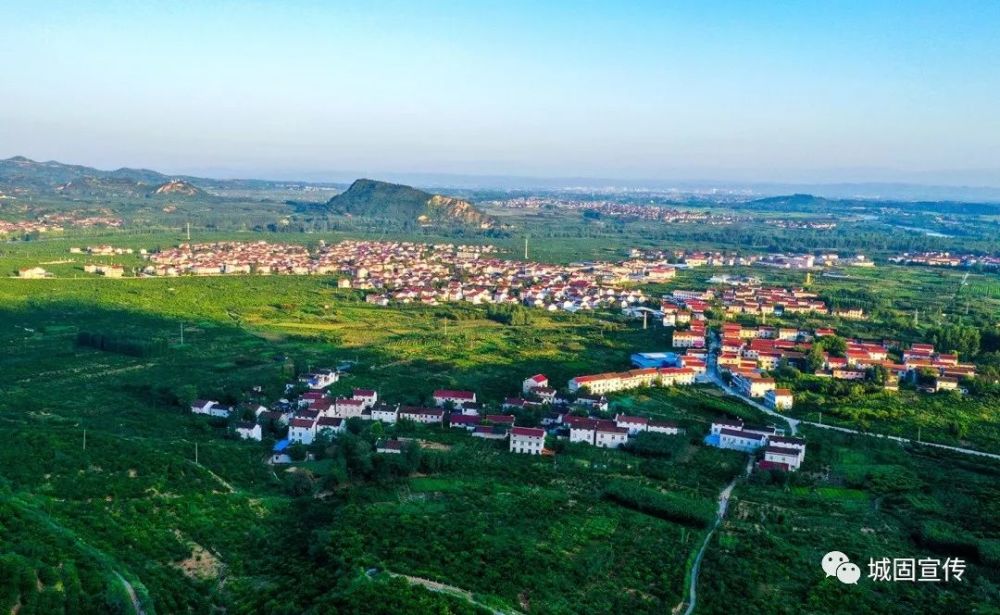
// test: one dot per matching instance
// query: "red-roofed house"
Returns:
(367, 396)
(536, 381)
(634, 424)
(444, 396)
(528, 440)
(610, 436)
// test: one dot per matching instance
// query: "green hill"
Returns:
(369, 198)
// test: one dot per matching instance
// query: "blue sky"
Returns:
(784, 91)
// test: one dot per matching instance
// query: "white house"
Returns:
(582, 432)
(664, 427)
(610, 437)
(209, 408)
(421, 415)
(367, 397)
(330, 424)
(302, 430)
(790, 457)
(536, 381)
(741, 440)
(279, 454)
(385, 413)
(546, 394)
(779, 399)
(248, 430)
(634, 424)
(457, 398)
(527, 440)
(752, 385)
(320, 379)
(786, 442)
(347, 408)
(391, 447)
(719, 424)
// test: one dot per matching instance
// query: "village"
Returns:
(580, 414)
(616, 209)
(947, 259)
(429, 274)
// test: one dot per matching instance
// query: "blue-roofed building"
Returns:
(279, 454)
(655, 359)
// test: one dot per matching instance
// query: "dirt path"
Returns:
(719, 515)
(131, 594)
(451, 590)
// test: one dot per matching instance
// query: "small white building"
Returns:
(719, 424)
(790, 457)
(421, 415)
(248, 430)
(320, 379)
(367, 397)
(634, 424)
(536, 381)
(664, 427)
(332, 425)
(385, 413)
(456, 398)
(209, 408)
(528, 440)
(741, 440)
(302, 430)
(390, 447)
(779, 399)
(582, 432)
(610, 437)
(346, 408)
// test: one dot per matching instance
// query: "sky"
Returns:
(738, 91)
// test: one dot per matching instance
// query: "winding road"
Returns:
(719, 515)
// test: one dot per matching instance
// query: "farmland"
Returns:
(105, 469)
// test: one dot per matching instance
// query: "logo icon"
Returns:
(837, 564)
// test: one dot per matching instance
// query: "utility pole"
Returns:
(525, 247)
(195, 453)
(182, 334)
(85, 440)
(189, 231)
(644, 315)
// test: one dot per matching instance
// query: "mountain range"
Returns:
(23, 178)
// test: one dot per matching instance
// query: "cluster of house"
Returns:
(104, 250)
(946, 259)
(108, 271)
(696, 258)
(408, 272)
(616, 209)
(794, 223)
(234, 257)
(314, 413)
(745, 352)
(56, 222)
(779, 452)
(441, 276)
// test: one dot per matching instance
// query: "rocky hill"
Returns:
(369, 198)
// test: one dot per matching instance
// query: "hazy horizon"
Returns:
(765, 94)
